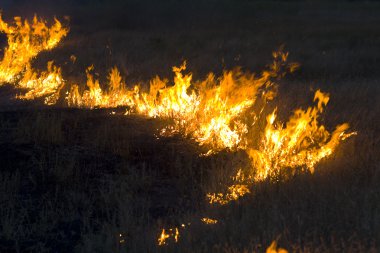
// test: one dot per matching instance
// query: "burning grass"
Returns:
(213, 112)
(208, 111)
(221, 114)
(25, 41)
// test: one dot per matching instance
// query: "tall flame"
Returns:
(25, 41)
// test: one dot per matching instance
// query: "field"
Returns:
(96, 180)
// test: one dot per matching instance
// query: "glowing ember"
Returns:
(234, 192)
(121, 239)
(209, 221)
(25, 41)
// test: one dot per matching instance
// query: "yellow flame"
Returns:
(163, 237)
(25, 41)
(176, 235)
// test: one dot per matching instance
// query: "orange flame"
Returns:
(25, 41)
(273, 248)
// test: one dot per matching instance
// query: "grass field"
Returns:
(78, 180)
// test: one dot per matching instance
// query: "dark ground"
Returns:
(74, 180)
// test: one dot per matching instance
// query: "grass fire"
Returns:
(212, 138)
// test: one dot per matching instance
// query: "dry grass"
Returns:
(74, 180)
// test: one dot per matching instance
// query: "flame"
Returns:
(96, 97)
(273, 248)
(239, 188)
(163, 237)
(25, 41)
(167, 234)
(301, 143)
(216, 112)
(208, 111)
(46, 84)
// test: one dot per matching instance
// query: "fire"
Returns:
(25, 41)
(234, 192)
(217, 112)
(46, 84)
(95, 97)
(209, 111)
(209, 221)
(163, 237)
(239, 188)
(167, 234)
(273, 248)
(301, 143)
